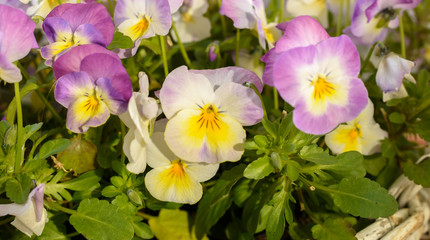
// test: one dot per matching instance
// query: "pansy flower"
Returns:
(70, 25)
(141, 111)
(362, 134)
(30, 216)
(321, 82)
(251, 14)
(142, 19)
(190, 23)
(206, 111)
(299, 32)
(173, 179)
(372, 17)
(16, 40)
(91, 84)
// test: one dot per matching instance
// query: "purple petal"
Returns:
(87, 34)
(56, 29)
(241, 12)
(16, 29)
(261, 34)
(160, 15)
(101, 65)
(91, 13)
(175, 5)
(113, 99)
(8, 71)
(71, 86)
(230, 74)
(391, 71)
(79, 121)
(38, 196)
(71, 61)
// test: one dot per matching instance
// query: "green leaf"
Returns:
(152, 44)
(259, 168)
(261, 141)
(419, 173)
(216, 202)
(285, 126)
(250, 145)
(120, 41)
(299, 138)
(53, 147)
(80, 156)
(4, 126)
(388, 149)
(117, 181)
(397, 117)
(423, 81)
(270, 127)
(97, 219)
(55, 228)
(17, 190)
(422, 127)
(83, 182)
(375, 164)
(333, 229)
(293, 169)
(110, 191)
(276, 223)
(349, 164)
(142, 230)
(317, 155)
(363, 197)
(242, 191)
(31, 129)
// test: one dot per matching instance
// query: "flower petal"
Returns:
(86, 34)
(195, 30)
(175, 5)
(239, 102)
(195, 140)
(27, 222)
(71, 86)
(391, 71)
(135, 149)
(110, 96)
(84, 113)
(241, 12)
(184, 89)
(8, 71)
(57, 29)
(202, 172)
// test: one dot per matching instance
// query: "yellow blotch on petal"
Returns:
(187, 17)
(350, 137)
(90, 105)
(139, 28)
(176, 177)
(269, 35)
(322, 88)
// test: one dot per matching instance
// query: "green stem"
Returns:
(316, 185)
(50, 108)
(163, 54)
(59, 207)
(181, 46)
(144, 215)
(223, 24)
(72, 234)
(275, 99)
(339, 19)
(366, 61)
(402, 36)
(281, 11)
(237, 46)
(20, 138)
(348, 12)
(60, 2)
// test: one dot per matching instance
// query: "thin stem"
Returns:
(59, 207)
(339, 19)
(144, 215)
(366, 61)
(275, 99)
(402, 36)
(348, 12)
(237, 46)
(281, 11)
(49, 106)
(181, 46)
(20, 138)
(73, 234)
(60, 2)
(223, 24)
(163, 54)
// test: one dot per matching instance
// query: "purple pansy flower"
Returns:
(310, 79)
(70, 25)
(142, 19)
(299, 32)
(91, 83)
(372, 17)
(16, 40)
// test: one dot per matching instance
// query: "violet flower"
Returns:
(70, 25)
(92, 83)
(16, 40)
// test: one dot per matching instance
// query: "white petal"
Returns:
(202, 172)
(135, 149)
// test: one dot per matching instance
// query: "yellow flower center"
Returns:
(140, 28)
(208, 118)
(186, 17)
(269, 35)
(322, 88)
(91, 105)
(176, 169)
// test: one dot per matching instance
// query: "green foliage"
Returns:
(419, 173)
(120, 41)
(80, 156)
(259, 168)
(98, 219)
(333, 229)
(17, 190)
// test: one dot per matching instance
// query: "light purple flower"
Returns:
(94, 85)
(391, 71)
(251, 14)
(70, 25)
(30, 216)
(206, 111)
(299, 32)
(16, 40)
(141, 19)
(372, 17)
(320, 81)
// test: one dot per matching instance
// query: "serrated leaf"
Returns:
(349, 164)
(259, 168)
(17, 190)
(53, 147)
(419, 173)
(83, 182)
(363, 197)
(422, 127)
(216, 202)
(317, 155)
(120, 41)
(31, 129)
(333, 229)
(97, 219)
